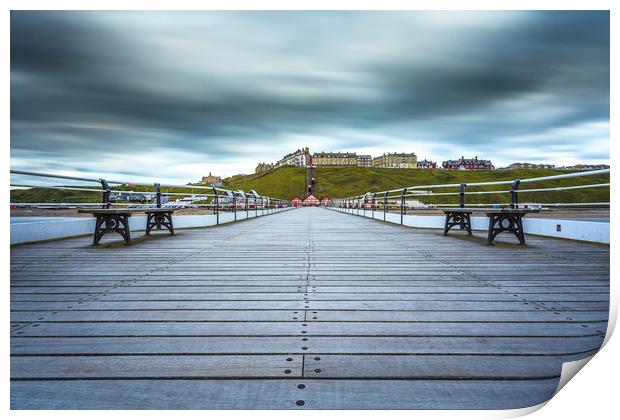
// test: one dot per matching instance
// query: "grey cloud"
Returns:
(215, 83)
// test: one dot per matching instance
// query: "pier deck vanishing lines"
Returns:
(304, 309)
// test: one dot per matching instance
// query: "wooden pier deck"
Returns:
(306, 309)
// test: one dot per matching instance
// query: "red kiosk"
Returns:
(311, 200)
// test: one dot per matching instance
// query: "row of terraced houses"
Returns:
(303, 158)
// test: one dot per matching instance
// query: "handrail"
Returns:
(48, 175)
(508, 204)
(574, 187)
(58, 187)
(68, 204)
(401, 193)
(145, 184)
(117, 191)
(438, 207)
(507, 182)
(222, 197)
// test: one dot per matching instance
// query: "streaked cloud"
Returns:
(178, 94)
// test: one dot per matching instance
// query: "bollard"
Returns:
(106, 194)
(402, 205)
(157, 195)
(217, 207)
(514, 194)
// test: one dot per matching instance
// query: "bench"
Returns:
(500, 220)
(117, 220)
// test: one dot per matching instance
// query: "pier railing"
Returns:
(131, 194)
(396, 199)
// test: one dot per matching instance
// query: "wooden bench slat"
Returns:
(488, 210)
(127, 211)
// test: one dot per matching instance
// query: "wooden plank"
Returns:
(287, 366)
(204, 286)
(289, 315)
(303, 328)
(156, 367)
(498, 296)
(433, 367)
(343, 279)
(294, 344)
(312, 305)
(279, 394)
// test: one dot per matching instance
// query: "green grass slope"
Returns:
(46, 195)
(284, 183)
(337, 182)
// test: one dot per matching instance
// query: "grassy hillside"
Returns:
(285, 182)
(342, 182)
(337, 182)
(46, 195)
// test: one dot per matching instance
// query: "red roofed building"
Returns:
(426, 164)
(311, 200)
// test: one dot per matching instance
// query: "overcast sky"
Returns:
(174, 95)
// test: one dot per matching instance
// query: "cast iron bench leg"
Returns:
(512, 223)
(519, 229)
(466, 222)
(127, 234)
(446, 228)
(112, 223)
(149, 224)
(157, 220)
(491, 235)
(170, 225)
(98, 231)
(463, 220)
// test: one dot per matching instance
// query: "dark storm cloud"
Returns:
(236, 88)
